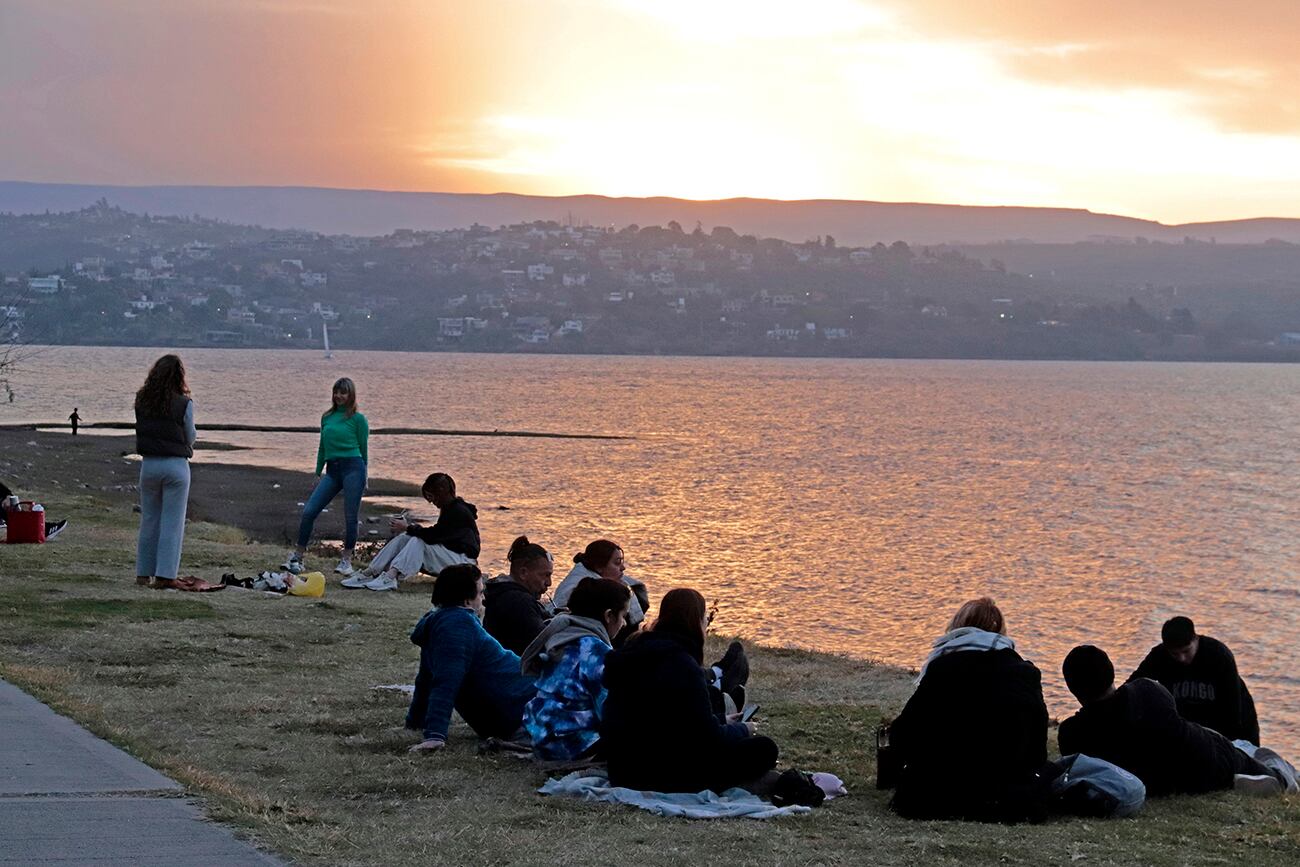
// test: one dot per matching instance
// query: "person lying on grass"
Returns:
(463, 668)
(568, 660)
(1138, 727)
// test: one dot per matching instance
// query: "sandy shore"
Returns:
(263, 502)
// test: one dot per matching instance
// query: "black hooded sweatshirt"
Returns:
(1139, 729)
(456, 529)
(512, 615)
(658, 728)
(1208, 690)
(972, 740)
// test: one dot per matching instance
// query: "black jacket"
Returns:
(1208, 691)
(658, 728)
(972, 738)
(511, 614)
(456, 529)
(1139, 729)
(165, 436)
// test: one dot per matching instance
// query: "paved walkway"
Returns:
(68, 797)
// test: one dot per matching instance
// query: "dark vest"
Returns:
(164, 437)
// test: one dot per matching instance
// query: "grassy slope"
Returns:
(263, 707)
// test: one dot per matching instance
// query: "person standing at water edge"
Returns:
(1201, 672)
(75, 419)
(343, 455)
(164, 438)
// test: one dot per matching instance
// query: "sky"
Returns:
(1175, 110)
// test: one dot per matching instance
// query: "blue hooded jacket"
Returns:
(464, 668)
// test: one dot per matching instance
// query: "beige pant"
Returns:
(407, 555)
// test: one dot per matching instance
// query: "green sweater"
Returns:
(342, 437)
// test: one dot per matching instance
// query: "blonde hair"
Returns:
(980, 613)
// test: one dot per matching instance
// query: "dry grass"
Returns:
(263, 706)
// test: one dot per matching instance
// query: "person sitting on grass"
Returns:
(1201, 672)
(52, 528)
(513, 612)
(1138, 727)
(658, 726)
(463, 668)
(604, 559)
(973, 736)
(452, 541)
(568, 660)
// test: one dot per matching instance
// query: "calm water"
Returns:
(840, 505)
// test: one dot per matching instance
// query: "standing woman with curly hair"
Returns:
(343, 455)
(164, 437)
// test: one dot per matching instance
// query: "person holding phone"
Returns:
(452, 541)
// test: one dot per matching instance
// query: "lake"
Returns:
(837, 505)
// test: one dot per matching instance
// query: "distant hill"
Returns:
(373, 212)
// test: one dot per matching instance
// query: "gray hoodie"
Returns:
(563, 629)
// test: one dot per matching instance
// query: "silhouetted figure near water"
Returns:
(75, 418)
(1201, 672)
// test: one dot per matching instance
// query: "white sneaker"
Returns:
(355, 582)
(1274, 762)
(382, 583)
(293, 563)
(344, 567)
(1257, 784)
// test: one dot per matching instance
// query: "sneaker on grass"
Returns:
(382, 583)
(1257, 784)
(293, 563)
(52, 530)
(1278, 765)
(356, 581)
(344, 567)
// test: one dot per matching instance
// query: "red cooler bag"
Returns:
(24, 524)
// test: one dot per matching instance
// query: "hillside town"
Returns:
(106, 276)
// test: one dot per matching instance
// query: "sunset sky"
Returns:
(1176, 110)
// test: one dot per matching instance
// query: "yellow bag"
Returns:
(309, 584)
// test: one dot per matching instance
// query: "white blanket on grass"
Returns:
(733, 803)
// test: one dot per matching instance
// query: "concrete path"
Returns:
(68, 797)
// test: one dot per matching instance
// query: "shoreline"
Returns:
(262, 502)
(1283, 355)
(311, 429)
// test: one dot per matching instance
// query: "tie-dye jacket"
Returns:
(564, 717)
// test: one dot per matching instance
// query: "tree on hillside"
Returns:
(14, 348)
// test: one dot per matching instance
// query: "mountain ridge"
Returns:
(332, 210)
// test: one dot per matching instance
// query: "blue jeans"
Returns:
(164, 496)
(341, 474)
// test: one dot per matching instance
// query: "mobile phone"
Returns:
(748, 713)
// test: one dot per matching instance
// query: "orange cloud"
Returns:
(1238, 62)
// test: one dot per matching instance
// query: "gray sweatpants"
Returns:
(164, 496)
